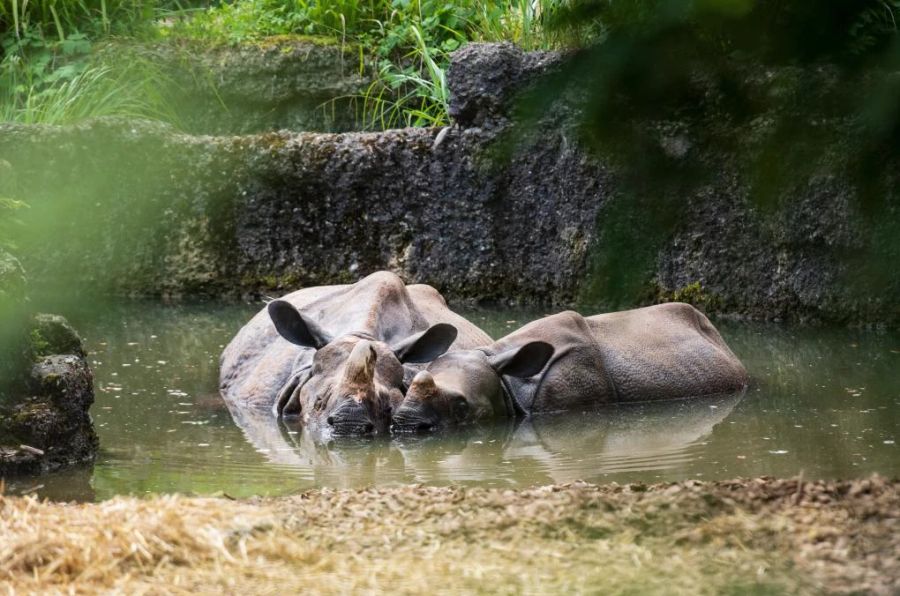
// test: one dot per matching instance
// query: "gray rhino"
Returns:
(334, 356)
(569, 362)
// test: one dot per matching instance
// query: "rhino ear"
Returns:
(525, 361)
(296, 328)
(427, 345)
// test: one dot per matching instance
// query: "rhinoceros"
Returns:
(334, 356)
(567, 362)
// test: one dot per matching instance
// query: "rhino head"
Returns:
(465, 386)
(353, 379)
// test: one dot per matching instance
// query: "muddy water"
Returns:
(825, 403)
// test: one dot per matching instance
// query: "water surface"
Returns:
(823, 402)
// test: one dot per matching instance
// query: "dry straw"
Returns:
(764, 535)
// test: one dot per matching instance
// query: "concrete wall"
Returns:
(158, 212)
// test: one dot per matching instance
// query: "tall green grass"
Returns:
(410, 41)
(410, 89)
(93, 17)
(48, 73)
(134, 90)
(414, 95)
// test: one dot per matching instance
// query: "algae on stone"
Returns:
(44, 414)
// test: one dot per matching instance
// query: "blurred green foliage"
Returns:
(653, 58)
(807, 82)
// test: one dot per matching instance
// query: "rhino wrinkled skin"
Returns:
(569, 362)
(334, 356)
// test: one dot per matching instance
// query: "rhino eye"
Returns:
(460, 407)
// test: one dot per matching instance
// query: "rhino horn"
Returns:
(360, 367)
(422, 387)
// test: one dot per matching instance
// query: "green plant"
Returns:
(48, 73)
(410, 40)
(412, 95)
(33, 94)
(94, 18)
(694, 294)
(38, 345)
(522, 22)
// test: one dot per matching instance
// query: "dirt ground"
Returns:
(762, 536)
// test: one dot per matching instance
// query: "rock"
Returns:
(46, 424)
(246, 214)
(484, 78)
(55, 336)
(66, 380)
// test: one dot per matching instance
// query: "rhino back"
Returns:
(666, 351)
(435, 310)
(575, 377)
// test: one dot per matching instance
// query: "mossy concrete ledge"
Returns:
(543, 221)
(175, 214)
(286, 82)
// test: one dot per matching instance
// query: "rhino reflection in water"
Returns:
(334, 356)
(564, 447)
(569, 362)
(545, 449)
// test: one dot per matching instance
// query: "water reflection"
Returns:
(822, 402)
(544, 449)
(627, 438)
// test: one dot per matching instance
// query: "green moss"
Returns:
(51, 334)
(38, 345)
(693, 294)
(290, 280)
(27, 413)
(287, 41)
(9, 429)
(273, 141)
(271, 281)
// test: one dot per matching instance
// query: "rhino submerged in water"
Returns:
(335, 355)
(569, 362)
